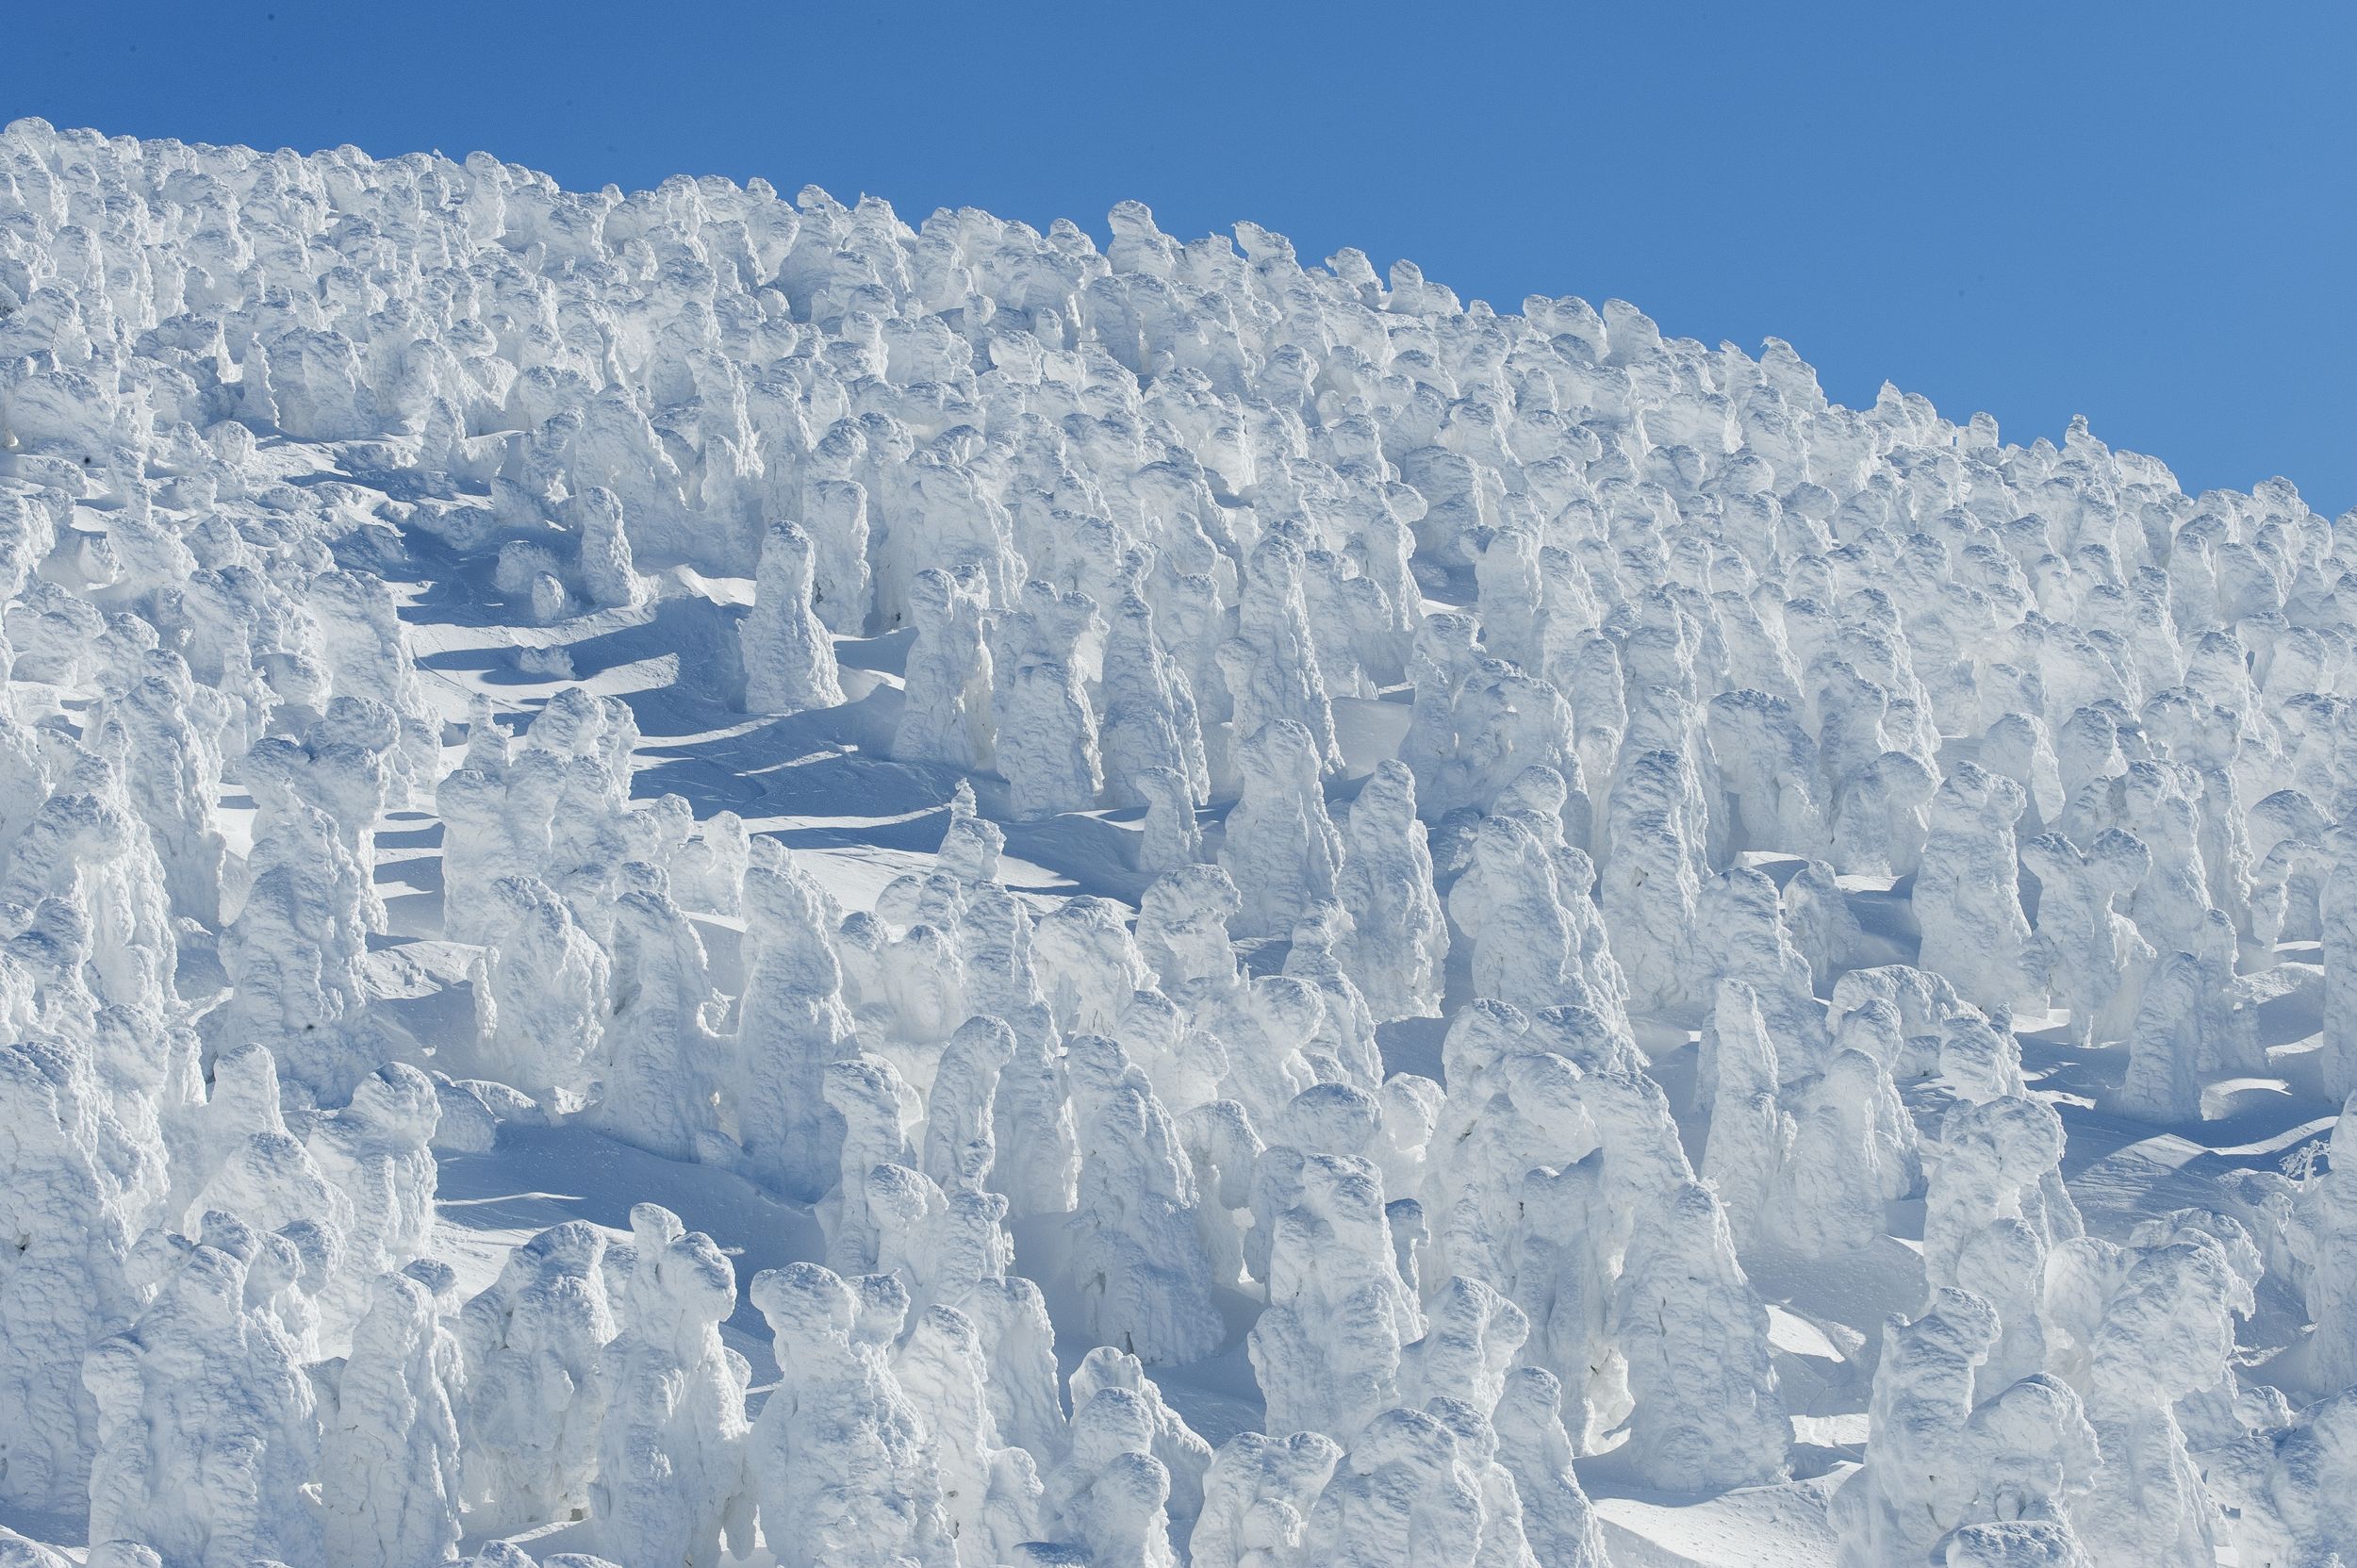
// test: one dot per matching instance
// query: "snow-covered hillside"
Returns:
(709, 880)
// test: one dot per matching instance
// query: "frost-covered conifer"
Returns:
(1511, 906)
(1171, 837)
(2322, 1237)
(874, 1106)
(378, 1150)
(1396, 945)
(1046, 742)
(1109, 1500)
(2091, 952)
(2337, 904)
(1182, 1453)
(1257, 1498)
(989, 1493)
(1994, 1162)
(1149, 720)
(837, 1457)
(1281, 851)
(1326, 1350)
(1557, 1520)
(2144, 1329)
(1752, 1134)
(1033, 1124)
(1966, 897)
(1182, 926)
(65, 1284)
(1145, 1281)
(1271, 667)
(536, 1387)
(789, 657)
(1709, 1413)
(670, 1481)
(661, 1048)
(208, 1432)
(1768, 765)
(2024, 1458)
(293, 953)
(1399, 1497)
(609, 577)
(1854, 1150)
(1648, 894)
(946, 714)
(542, 995)
(389, 1437)
(791, 1024)
(1741, 917)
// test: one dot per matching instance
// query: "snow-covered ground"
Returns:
(711, 880)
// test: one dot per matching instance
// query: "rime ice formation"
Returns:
(207, 1383)
(536, 1379)
(1397, 941)
(837, 1461)
(1282, 850)
(670, 1481)
(789, 658)
(390, 1440)
(1266, 916)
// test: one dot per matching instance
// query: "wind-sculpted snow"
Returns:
(1216, 912)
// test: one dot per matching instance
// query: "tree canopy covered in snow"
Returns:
(689, 879)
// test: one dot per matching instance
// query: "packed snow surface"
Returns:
(693, 880)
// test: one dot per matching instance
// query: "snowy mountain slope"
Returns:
(713, 880)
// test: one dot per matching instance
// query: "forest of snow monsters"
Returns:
(1343, 929)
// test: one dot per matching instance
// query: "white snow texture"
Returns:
(695, 881)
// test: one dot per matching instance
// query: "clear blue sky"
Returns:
(2143, 212)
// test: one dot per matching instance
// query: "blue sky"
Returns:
(2146, 213)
